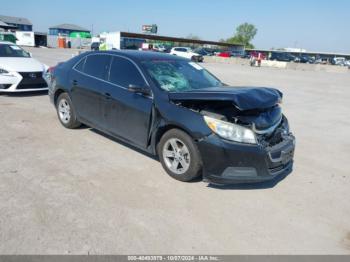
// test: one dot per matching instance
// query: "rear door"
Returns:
(89, 88)
(128, 114)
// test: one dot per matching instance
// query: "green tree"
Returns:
(245, 33)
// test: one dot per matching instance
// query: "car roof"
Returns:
(141, 55)
(7, 43)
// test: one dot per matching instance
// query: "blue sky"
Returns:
(314, 25)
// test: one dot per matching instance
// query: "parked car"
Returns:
(338, 61)
(203, 52)
(322, 60)
(284, 57)
(20, 72)
(95, 46)
(186, 52)
(175, 109)
(159, 48)
(225, 54)
(306, 59)
(239, 54)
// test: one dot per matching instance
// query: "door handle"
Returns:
(107, 95)
(75, 82)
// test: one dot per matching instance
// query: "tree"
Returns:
(245, 33)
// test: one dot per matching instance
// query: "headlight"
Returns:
(3, 71)
(231, 131)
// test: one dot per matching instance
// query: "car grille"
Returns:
(32, 80)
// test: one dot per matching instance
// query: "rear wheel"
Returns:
(179, 155)
(65, 112)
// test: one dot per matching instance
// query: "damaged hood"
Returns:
(244, 98)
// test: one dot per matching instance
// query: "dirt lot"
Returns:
(77, 191)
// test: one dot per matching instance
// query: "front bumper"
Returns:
(22, 82)
(226, 162)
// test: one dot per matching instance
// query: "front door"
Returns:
(128, 114)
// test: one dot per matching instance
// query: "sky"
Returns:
(322, 25)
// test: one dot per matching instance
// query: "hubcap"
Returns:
(176, 156)
(64, 110)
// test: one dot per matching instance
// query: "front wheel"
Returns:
(66, 113)
(179, 155)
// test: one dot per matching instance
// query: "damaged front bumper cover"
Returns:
(226, 162)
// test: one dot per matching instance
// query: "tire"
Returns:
(65, 112)
(189, 164)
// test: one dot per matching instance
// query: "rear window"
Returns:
(181, 49)
(97, 66)
(80, 65)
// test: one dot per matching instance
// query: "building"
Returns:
(68, 30)
(15, 23)
(6, 27)
(128, 40)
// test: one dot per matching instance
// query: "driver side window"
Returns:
(124, 73)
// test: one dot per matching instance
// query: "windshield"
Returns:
(179, 76)
(12, 51)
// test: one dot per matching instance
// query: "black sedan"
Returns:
(284, 57)
(173, 108)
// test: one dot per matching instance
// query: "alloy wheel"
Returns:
(64, 111)
(176, 156)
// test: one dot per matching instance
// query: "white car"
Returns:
(19, 72)
(186, 52)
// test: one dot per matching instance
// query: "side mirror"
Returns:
(145, 91)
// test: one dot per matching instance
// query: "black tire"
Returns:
(195, 164)
(73, 121)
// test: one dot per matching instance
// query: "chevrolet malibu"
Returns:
(175, 109)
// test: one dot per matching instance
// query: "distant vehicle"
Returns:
(203, 52)
(245, 55)
(321, 60)
(159, 48)
(237, 54)
(95, 46)
(283, 57)
(186, 52)
(225, 54)
(306, 59)
(338, 61)
(20, 72)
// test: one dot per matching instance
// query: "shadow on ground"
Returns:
(248, 186)
(25, 94)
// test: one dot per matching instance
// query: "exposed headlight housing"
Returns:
(231, 131)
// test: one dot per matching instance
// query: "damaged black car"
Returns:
(175, 109)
